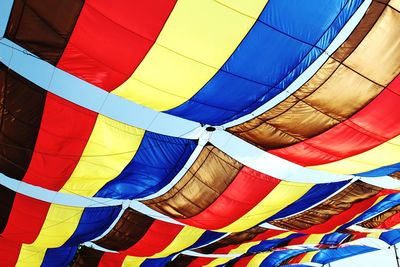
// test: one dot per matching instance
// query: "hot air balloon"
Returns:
(198, 133)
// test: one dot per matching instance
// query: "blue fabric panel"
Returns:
(391, 237)
(330, 255)
(382, 171)
(157, 161)
(316, 194)
(388, 202)
(277, 257)
(268, 244)
(158, 262)
(334, 238)
(59, 257)
(205, 238)
(94, 222)
(273, 54)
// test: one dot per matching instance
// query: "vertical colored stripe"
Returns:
(308, 256)
(384, 154)
(186, 237)
(132, 261)
(30, 256)
(282, 195)
(9, 252)
(234, 202)
(258, 259)
(158, 237)
(109, 41)
(190, 49)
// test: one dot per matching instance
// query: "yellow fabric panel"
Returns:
(110, 148)
(130, 261)
(395, 4)
(385, 154)
(60, 224)
(30, 256)
(314, 239)
(196, 40)
(382, 45)
(258, 259)
(283, 194)
(375, 234)
(308, 257)
(187, 237)
(243, 248)
(249, 8)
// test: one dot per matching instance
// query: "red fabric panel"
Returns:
(345, 216)
(247, 189)
(390, 222)
(298, 240)
(9, 252)
(26, 219)
(111, 260)
(373, 125)
(130, 29)
(64, 131)
(157, 238)
(297, 259)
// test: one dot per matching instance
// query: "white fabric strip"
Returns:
(5, 11)
(92, 245)
(383, 181)
(54, 197)
(311, 70)
(91, 97)
(65, 199)
(271, 227)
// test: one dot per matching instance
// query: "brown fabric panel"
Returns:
(395, 175)
(343, 94)
(332, 95)
(378, 56)
(232, 239)
(21, 104)
(365, 25)
(303, 121)
(88, 257)
(130, 228)
(395, 4)
(379, 219)
(271, 136)
(356, 192)
(21, 107)
(43, 27)
(203, 183)
(6, 201)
